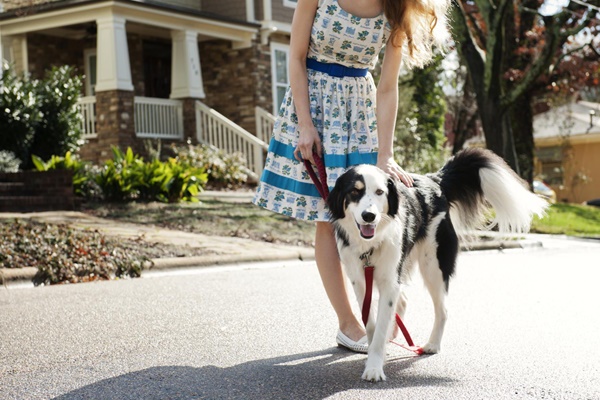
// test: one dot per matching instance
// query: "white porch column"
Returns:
(186, 76)
(13, 49)
(114, 71)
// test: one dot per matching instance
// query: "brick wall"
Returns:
(48, 51)
(115, 122)
(235, 81)
(36, 191)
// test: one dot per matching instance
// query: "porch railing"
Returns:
(158, 118)
(87, 108)
(264, 124)
(214, 129)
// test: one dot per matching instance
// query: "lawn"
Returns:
(569, 219)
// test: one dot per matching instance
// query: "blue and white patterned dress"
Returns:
(342, 110)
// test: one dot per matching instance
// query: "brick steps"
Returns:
(31, 191)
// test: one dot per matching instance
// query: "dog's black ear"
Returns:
(335, 201)
(393, 198)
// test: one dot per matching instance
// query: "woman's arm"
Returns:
(387, 109)
(300, 39)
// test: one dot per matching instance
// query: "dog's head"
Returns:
(362, 198)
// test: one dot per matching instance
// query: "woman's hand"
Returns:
(308, 142)
(390, 166)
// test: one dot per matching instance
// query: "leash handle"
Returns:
(321, 180)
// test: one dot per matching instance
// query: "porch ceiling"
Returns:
(77, 12)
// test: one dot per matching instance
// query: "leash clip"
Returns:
(366, 257)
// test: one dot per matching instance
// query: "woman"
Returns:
(329, 108)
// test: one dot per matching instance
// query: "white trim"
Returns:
(289, 3)
(586, 138)
(250, 16)
(113, 52)
(239, 34)
(274, 84)
(87, 109)
(186, 74)
(24, 54)
(158, 118)
(216, 130)
(87, 53)
(267, 10)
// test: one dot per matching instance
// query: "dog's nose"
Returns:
(368, 216)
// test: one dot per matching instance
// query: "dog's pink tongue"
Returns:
(367, 230)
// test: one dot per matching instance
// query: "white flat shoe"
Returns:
(360, 346)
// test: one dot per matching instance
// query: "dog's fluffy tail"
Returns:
(476, 178)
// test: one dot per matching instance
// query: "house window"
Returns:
(551, 159)
(90, 72)
(280, 72)
(290, 3)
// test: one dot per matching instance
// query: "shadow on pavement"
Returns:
(314, 375)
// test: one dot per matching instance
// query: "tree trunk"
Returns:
(522, 127)
(498, 133)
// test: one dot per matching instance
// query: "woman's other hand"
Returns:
(390, 166)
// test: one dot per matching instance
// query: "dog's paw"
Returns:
(373, 374)
(431, 348)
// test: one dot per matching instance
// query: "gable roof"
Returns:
(20, 12)
(579, 122)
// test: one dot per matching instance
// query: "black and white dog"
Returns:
(399, 227)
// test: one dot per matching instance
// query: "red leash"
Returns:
(320, 181)
(367, 307)
(321, 184)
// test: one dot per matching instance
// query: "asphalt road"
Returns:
(524, 324)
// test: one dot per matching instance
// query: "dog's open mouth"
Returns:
(367, 231)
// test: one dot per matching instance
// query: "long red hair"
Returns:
(420, 24)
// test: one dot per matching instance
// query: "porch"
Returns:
(143, 72)
(163, 119)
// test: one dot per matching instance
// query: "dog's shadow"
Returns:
(314, 375)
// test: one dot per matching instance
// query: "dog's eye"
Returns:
(354, 192)
(379, 192)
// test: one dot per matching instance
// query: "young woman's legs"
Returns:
(330, 268)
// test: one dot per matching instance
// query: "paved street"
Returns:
(524, 324)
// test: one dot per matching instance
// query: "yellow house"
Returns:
(567, 146)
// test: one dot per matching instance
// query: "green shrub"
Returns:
(59, 129)
(84, 173)
(128, 177)
(40, 116)
(8, 162)
(121, 178)
(184, 181)
(19, 114)
(224, 170)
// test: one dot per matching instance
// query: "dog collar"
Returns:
(366, 256)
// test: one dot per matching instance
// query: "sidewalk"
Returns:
(223, 250)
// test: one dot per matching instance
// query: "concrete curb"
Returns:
(161, 264)
(206, 261)
(17, 274)
(501, 245)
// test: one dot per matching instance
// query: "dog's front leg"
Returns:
(388, 295)
(357, 279)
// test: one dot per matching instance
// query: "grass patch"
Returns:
(569, 219)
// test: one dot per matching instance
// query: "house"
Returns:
(208, 71)
(567, 146)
